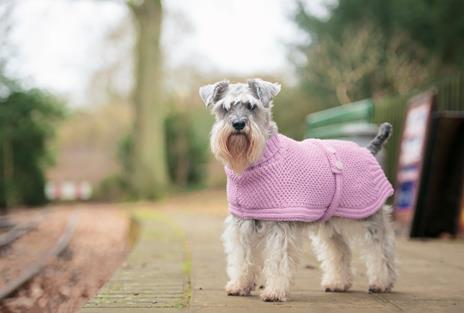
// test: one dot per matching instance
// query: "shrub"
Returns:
(27, 123)
(187, 151)
(187, 147)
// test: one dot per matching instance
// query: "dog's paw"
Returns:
(379, 288)
(234, 289)
(381, 284)
(336, 286)
(273, 295)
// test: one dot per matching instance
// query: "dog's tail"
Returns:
(383, 134)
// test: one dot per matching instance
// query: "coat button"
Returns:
(339, 164)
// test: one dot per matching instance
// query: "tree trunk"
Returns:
(149, 178)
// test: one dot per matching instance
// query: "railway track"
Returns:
(34, 267)
(15, 229)
(14, 233)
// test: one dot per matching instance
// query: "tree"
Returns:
(149, 177)
(27, 123)
(436, 25)
(360, 66)
(28, 119)
(341, 65)
(374, 47)
(145, 167)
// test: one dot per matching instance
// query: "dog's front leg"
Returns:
(239, 240)
(281, 249)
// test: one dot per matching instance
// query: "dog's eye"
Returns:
(250, 106)
(225, 109)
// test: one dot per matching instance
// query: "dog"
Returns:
(282, 192)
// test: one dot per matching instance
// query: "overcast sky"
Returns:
(59, 44)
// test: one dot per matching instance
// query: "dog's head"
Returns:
(243, 120)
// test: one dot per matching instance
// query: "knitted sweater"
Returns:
(308, 181)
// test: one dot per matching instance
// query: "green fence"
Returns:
(450, 94)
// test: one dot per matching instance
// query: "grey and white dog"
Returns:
(269, 250)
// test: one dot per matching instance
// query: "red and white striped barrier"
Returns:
(68, 191)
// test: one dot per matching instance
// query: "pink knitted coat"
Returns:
(308, 181)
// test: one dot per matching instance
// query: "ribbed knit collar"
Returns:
(270, 149)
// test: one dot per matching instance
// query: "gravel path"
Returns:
(15, 257)
(98, 247)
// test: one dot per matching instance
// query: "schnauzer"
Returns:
(281, 191)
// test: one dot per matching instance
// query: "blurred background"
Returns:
(99, 108)
(99, 98)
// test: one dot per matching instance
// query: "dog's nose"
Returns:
(238, 125)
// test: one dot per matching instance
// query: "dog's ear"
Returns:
(213, 93)
(264, 90)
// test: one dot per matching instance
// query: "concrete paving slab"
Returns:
(431, 278)
(431, 272)
(156, 274)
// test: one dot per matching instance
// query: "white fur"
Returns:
(270, 249)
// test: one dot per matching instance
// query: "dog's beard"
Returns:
(238, 145)
(237, 150)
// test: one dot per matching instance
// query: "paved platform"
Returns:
(156, 274)
(178, 266)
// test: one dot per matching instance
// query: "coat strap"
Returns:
(337, 167)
